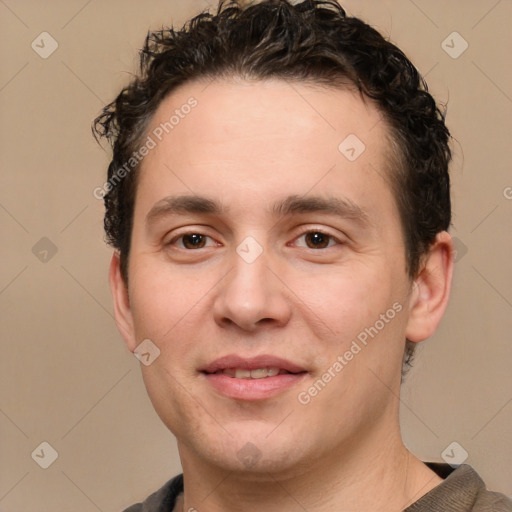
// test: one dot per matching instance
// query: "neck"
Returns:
(380, 475)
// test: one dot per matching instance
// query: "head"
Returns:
(250, 109)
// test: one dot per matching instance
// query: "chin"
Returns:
(253, 451)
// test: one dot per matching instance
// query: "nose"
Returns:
(251, 296)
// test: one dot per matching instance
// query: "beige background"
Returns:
(65, 375)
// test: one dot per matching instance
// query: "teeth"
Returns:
(242, 374)
(259, 373)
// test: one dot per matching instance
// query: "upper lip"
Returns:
(251, 363)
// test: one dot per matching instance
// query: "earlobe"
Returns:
(122, 309)
(431, 289)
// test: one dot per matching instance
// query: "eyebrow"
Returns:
(193, 204)
(338, 206)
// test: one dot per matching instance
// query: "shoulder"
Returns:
(162, 500)
(462, 490)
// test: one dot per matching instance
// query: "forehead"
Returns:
(264, 135)
(253, 109)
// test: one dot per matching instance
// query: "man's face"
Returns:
(253, 279)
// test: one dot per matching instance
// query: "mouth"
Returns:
(256, 373)
(257, 367)
(254, 378)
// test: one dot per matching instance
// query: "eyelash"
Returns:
(320, 231)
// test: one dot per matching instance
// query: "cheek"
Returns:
(359, 312)
(346, 299)
(174, 398)
(165, 302)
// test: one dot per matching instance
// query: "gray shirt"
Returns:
(462, 490)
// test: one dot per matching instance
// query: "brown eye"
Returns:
(193, 240)
(317, 240)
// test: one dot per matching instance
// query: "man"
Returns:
(278, 201)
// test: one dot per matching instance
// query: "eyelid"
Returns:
(300, 234)
(178, 236)
(323, 231)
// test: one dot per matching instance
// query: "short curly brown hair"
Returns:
(312, 41)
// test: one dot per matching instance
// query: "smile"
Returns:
(258, 373)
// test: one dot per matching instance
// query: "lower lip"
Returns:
(252, 389)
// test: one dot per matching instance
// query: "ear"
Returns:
(431, 289)
(122, 311)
